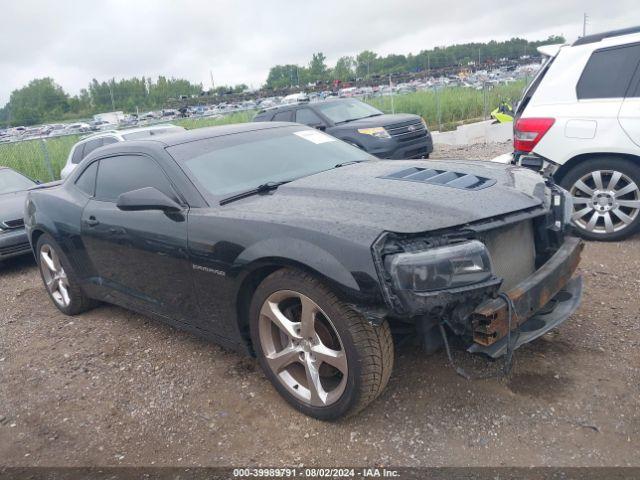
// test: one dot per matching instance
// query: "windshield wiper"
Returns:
(359, 118)
(348, 120)
(350, 162)
(265, 187)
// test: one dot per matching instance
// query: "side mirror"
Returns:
(148, 198)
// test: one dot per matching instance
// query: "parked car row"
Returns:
(114, 120)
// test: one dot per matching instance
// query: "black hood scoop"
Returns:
(446, 178)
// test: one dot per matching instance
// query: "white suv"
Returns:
(90, 142)
(579, 121)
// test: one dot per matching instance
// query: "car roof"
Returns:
(126, 131)
(302, 104)
(172, 139)
(596, 37)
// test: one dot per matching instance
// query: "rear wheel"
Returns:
(324, 358)
(59, 278)
(606, 198)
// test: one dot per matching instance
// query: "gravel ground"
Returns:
(479, 151)
(111, 387)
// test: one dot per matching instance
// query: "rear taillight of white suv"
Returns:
(529, 131)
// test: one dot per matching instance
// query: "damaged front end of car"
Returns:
(485, 279)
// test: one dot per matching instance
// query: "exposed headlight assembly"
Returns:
(440, 268)
(378, 132)
(568, 207)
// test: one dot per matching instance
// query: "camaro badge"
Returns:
(210, 270)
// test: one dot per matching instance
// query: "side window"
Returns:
(78, 154)
(129, 172)
(91, 145)
(282, 116)
(308, 117)
(87, 179)
(608, 72)
(109, 140)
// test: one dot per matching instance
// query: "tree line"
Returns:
(42, 100)
(369, 64)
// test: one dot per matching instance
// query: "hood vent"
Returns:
(464, 181)
(19, 223)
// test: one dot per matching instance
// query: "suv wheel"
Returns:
(606, 198)
(324, 358)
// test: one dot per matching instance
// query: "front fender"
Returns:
(300, 252)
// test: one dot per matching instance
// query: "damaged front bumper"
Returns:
(541, 302)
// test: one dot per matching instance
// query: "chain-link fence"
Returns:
(444, 108)
(43, 158)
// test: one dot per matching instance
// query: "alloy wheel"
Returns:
(303, 348)
(605, 201)
(55, 278)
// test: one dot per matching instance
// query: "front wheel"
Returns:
(606, 198)
(324, 358)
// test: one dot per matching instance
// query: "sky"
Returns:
(238, 41)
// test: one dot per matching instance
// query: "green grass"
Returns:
(28, 157)
(457, 105)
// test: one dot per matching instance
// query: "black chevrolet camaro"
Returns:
(283, 242)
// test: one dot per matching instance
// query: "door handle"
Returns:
(92, 222)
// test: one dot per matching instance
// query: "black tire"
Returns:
(369, 349)
(584, 171)
(78, 301)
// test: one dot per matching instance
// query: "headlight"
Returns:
(440, 268)
(378, 132)
(424, 123)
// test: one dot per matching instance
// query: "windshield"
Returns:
(151, 133)
(345, 110)
(235, 163)
(11, 181)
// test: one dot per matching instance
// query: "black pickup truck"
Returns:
(399, 136)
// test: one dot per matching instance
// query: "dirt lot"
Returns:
(114, 388)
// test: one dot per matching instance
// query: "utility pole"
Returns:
(585, 19)
(393, 110)
(211, 76)
(113, 104)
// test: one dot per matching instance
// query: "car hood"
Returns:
(12, 206)
(358, 200)
(386, 120)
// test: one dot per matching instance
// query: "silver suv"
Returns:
(89, 143)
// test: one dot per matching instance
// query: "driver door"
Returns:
(140, 257)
